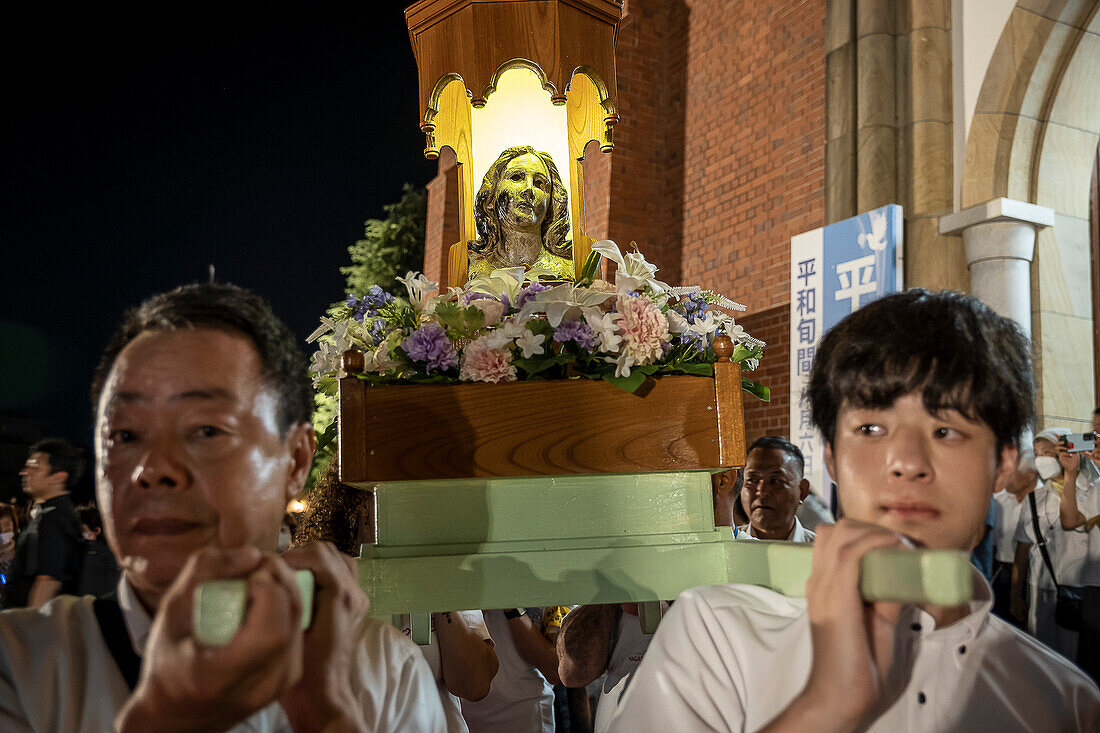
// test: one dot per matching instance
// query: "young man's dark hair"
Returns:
(228, 308)
(774, 442)
(962, 357)
(63, 456)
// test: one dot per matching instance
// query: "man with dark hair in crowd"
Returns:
(772, 490)
(202, 436)
(98, 567)
(47, 553)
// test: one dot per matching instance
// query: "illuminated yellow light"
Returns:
(297, 506)
(519, 112)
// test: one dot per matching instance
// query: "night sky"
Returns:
(140, 149)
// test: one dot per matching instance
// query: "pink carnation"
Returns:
(644, 329)
(482, 363)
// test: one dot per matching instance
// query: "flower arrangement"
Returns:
(509, 326)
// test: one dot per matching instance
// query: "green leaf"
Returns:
(589, 269)
(756, 389)
(630, 384)
(536, 365)
(459, 321)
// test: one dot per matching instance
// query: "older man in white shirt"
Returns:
(202, 437)
(772, 491)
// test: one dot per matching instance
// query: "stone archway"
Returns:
(1033, 138)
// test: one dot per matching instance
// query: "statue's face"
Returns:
(523, 193)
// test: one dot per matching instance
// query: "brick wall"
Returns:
(772, 326)
(441, 230)
(723, 120)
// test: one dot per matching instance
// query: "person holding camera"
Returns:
(1079, 512)
(1051, 558)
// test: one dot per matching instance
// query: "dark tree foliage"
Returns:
(390, 247)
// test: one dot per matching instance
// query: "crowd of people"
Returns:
(203, 436)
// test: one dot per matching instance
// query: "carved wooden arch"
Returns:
(590, 115)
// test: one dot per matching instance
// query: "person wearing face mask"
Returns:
(9, 527)
(1079, 512)
(1066, 550)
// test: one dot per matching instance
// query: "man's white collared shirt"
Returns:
(731, 658)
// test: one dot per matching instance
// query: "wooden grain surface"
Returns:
(418, 432)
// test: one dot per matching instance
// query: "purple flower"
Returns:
(430, 346)
(377, 331)
(368, 305)
(467, 298)
(578, 332)
(691, 306)
(527, 294)
(694, 339)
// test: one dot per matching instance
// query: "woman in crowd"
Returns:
(1067, 550)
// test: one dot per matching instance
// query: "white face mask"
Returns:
(1048, 467)
(5, 537)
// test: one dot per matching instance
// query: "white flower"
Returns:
(736, 332)
(502, 281)
(530, 343)
(563, 301)
(676, 322)
(622, 364)
(633, 272)
(512, 328)
(418, 288)
(496, 339)
(705, 325)
(380, 360)
(604, 326)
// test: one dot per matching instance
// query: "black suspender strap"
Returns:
(108, 615)
(1039, 537)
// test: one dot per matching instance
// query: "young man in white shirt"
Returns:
(922, 398)
(202, 437)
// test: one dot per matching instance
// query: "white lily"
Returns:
(418, 288)
(502, 281)
(633, 272)
(563, 300)
(530, 343)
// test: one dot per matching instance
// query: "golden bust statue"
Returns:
(522, 216)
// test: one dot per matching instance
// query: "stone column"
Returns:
(999, 239)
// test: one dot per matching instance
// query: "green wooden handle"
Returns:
(220, 606)
(938, 577)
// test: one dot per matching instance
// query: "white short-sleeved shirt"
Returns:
(731, 658)
(798, 533)
(1005, 519)
(57, 673)
(452, 706)
(1068, 549)
(630, 646)
(520, 700)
